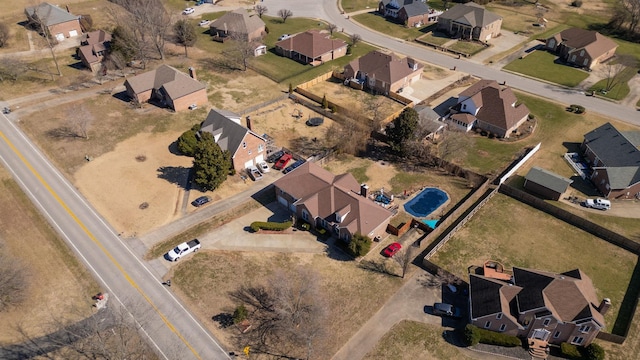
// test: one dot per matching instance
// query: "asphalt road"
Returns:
(173, 332)
(328, 10)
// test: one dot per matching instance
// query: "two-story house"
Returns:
(470, 21)
(246, 147)
(539, 305)
(383, 73)
(411, 13)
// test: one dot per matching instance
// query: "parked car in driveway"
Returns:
(282, 162)
(293, 166)
(188, 11)
(284, 36)
(392, 249)
(200, 201)
(600, 204)
(275, 156)
(204, 22)
(449, 310)
(254, 173)
(183, 249)
(263, 167)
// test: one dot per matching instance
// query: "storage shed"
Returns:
(546, 184)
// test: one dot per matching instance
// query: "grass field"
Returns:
(353, 5)
(621, 89)
(541, 65)
(375, 21)
(467, 47)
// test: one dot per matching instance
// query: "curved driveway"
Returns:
(328, 10)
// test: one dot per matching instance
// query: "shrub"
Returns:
(531, 116)
(359, 245)
(471, 335)
(266, 29)
(474, 335)
(325, 102)
(290, 88)
(274, 226)
(240, 314)
(570, 351)
(576, 3)
(593, 352)
(306, 226)
(348, 49)
(333, 108)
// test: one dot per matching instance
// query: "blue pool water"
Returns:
(431, 223)
(426, 202)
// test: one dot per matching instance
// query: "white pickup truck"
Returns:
(600, 204)
(183, 249)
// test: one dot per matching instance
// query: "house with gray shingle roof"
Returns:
(311, 47)
(488, 106)
(584, 48)
(337, 203)
(245, 147)
(408, 12)
(383, 73)
(60, 23)
(239, 25)
(167, 86)
(614, 158)
(548, 307)
(546, 183)
(470, 21)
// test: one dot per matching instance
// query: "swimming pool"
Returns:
(426, 202)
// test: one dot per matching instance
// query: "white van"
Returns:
(600, 204)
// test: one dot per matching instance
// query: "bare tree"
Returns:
(451, 143)
(348, 138)
(14, 279)
(37, 22)
(332, 28)
(241, 52)
(80, 119)
(11, 68)
(355, 38)
(616, 69)
(185, 34)
(261, 10)
(4, 34)
(284, 14)
(404, 259)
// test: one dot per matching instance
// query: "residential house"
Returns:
(237, 25)
(245, 147)
(614, 158)
(311, 47)
(383, 73)
(167, 86)
(546, 183)
(490, 107)
(539, 305)
(411, 13)
(60, 24)
(94, 47)
(336, 203)
(583, 48)
(470, 21)
(429, 122)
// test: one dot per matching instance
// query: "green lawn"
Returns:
(541, 65)
(354, 5)
(375, 21)
(518, 235)
(439, 39)
(467, 47)
(620, 90)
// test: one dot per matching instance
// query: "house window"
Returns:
(546, 322)
(582, 53)
(577, 340)
(499, 316)
(556, 335)
(585, 328)
(260, 148)
(503, 327)
(305, 215)
(244, 145)
(487, 324)
(586, 61)
(464, 106)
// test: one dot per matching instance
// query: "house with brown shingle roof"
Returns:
(238, 25)
(539, 305)
(383, 73)
(94, 47)
(336, 203)
(581, 47)
(408, 12)
(311, 47)
(470, 21)
(167, 86)
(490, 107)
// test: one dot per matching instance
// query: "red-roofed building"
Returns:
(311, 47)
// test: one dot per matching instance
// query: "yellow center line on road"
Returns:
(98, 243)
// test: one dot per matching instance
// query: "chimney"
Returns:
(249, 122)
(364, 190)
(604, 306)
(192, 73)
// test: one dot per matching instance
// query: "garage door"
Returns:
(259, 158)
(73, 33)
(282, 201)
(60, 36)
(248, 164)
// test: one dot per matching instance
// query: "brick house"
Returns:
(614, 160)
(488, 106)
(93, 49)
(246, 147)
(582, 48)
(336, 203)
(167, 86)
(538, 305)
(470, 21)
(59, 23)
(237, 24)
(411, 13)
(546, 183)
(311, 47)
(383, 73)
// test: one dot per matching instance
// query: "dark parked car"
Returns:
(201, 201)
(449, 310)
(293, 166)
(275, 156)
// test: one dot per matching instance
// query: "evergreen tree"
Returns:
(187, 142)
(402, 129)
(210, 163)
